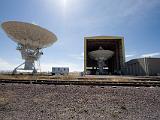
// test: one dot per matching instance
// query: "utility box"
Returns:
(60, 70)
(115, 64)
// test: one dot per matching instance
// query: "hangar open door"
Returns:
(114, 64)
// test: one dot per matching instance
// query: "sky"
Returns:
(138, 21)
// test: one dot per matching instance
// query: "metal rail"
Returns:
(86, 82)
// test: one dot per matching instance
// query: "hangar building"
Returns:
(143, 66)
(114, 64)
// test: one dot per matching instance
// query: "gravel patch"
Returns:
(73, 102)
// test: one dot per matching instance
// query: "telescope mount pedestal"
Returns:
(30, 56)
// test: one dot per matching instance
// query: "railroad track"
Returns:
(135, 83)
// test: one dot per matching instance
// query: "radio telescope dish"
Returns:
(101, 56)
(30, 39)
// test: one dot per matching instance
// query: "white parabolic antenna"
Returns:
(31, 39)
(101, 56)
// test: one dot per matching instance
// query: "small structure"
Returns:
(143, 67)
(60, 70)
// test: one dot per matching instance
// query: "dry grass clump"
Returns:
(37, 77)
(3, 101)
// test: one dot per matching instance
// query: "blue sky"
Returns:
(71, 20)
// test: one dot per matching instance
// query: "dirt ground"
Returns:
(71, 102)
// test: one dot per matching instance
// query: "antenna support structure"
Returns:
(30, 56)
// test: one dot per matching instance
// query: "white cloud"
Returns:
(109, 11)
(5, 65)
(130, 55)
(151, 54)
(79, 57)
(35, 23)
(72, 66)
(134, 7)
